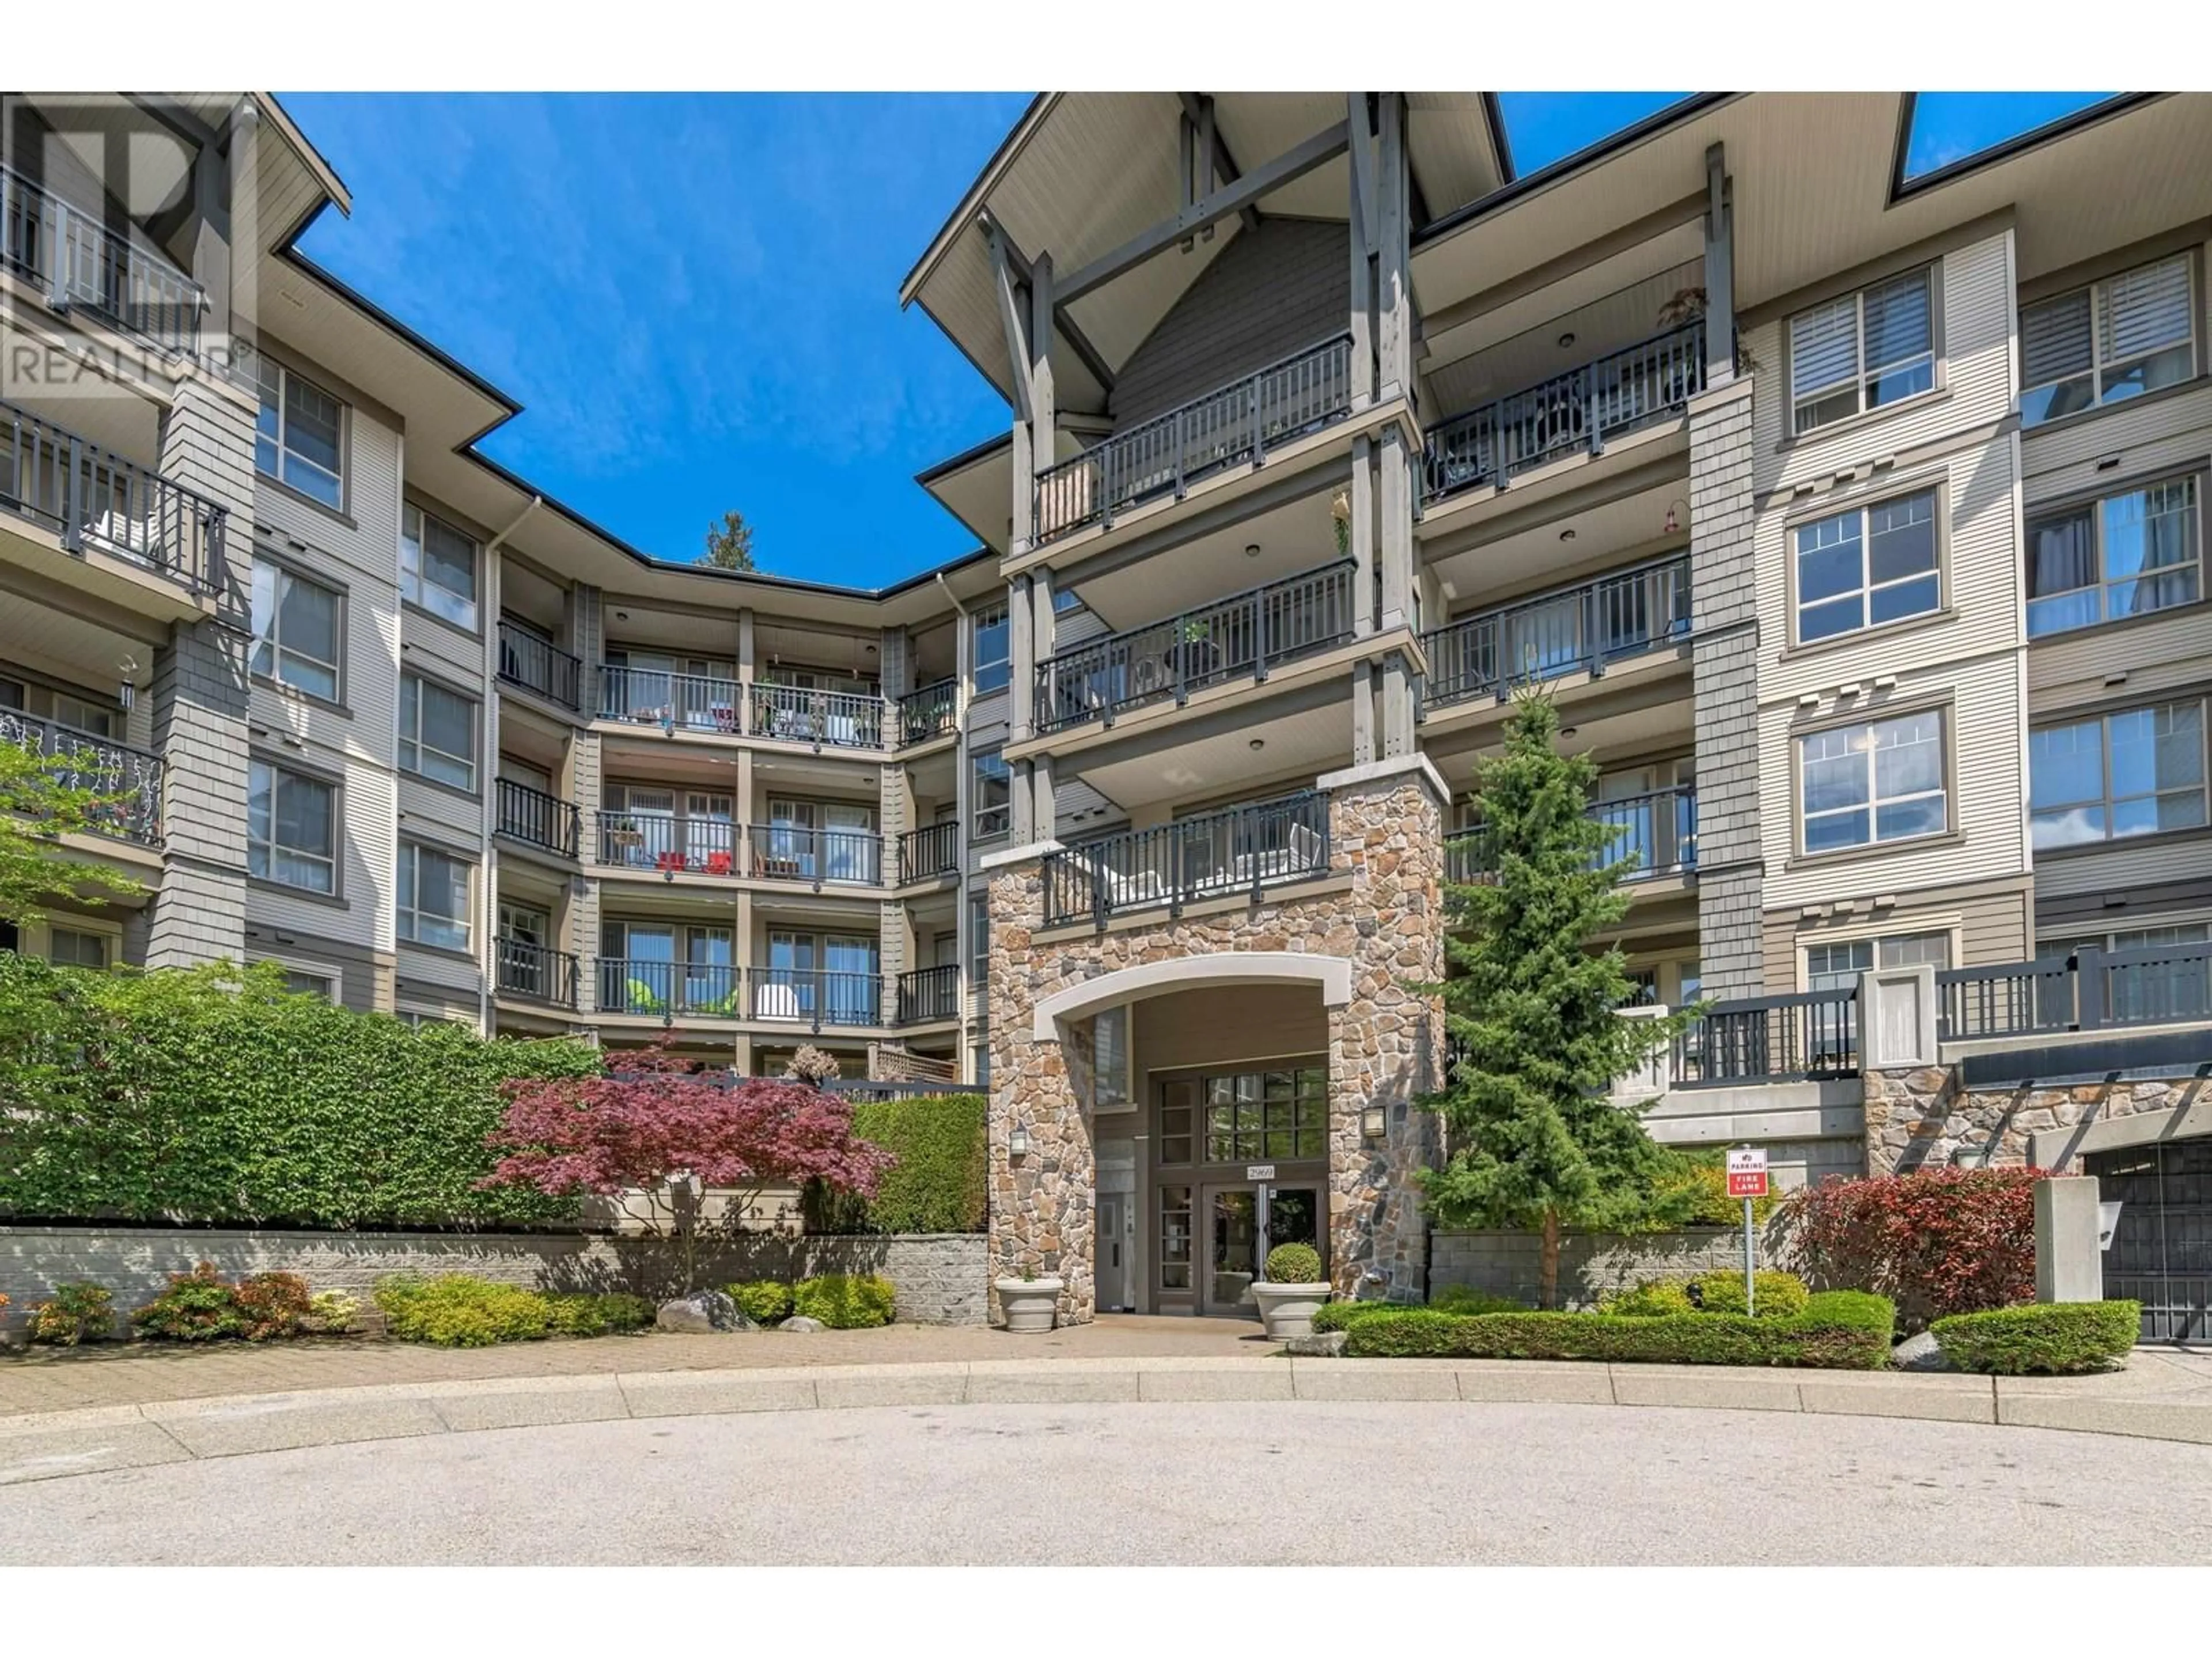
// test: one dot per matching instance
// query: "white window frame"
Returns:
(1863, 373)
(994, 673)
(1874, 944)
(282, 458)
(989, 823)
(413, 746)
(273, 656)
(2105, 804)
(2100, 300)
(408, 892)
(1868, 587)
(2100, 588)
(1874, 801)
(417, 587)
(270, 847)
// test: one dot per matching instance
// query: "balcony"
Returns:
(653, 696)
(1802, 1038)
(78, 261)
(1658, 831)
(536, 664)
(69, 485)
(670, 845)
(1226, 428)
(928, 994)
(530, 815)
(1581, 628)
(832, 719)
(808, 997)
(932, 851)
(1575, 411)
(536, 973)
(2086, 991)
(931, 713)
(1244, 850)
(1248, 634)
(132, 775)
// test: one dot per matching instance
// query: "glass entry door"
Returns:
(1242, 1223)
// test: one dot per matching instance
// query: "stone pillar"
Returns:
(2070, 1263)
(199, 693)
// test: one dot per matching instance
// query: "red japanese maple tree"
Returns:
(651, 1120)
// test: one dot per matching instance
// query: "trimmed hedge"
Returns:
(1779, 1296)
(2059, 1338)
(938, 1185)
(457, 1310)
(1466, 1299)
(845, 1302)
(1843, 1329)
(1294, 1264)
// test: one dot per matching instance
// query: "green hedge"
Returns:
(1847, 1329)
(937, 1184)
(763, 1301)
(457, 1310)
(209, 1095)
(2057, 1337)
(1779, 1295)
(844, 1302)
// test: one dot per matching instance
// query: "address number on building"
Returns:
(1259, 1172)
(1746, 1172)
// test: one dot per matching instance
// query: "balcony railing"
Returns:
(79, 261)
(90, 498)
(2087, 990)
(665, 842)
(928, 993)
(132, 776)
(1657, 830)
(834, 719)
(1244, 850)
(1238, 422)
(815, 997)
(1810, 1034)
(1577, 411)
(537, 972)
(930, 852)
(669, 844)
(537, 665)
(542, 820)
(1250, 633)
(659, 987)
(791, 852)
(1582, 628)
(653, 696)
(932, 712)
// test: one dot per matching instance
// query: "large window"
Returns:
(437, 733)
(1867, 566)
(994, 658)
(1244, 1118)
(291, 829)
(979, 940)
(434, 896)
(1837, 967)
(301, 434)
(991, 798)
(2125, 556)
(2130, 774)
(437, 567)
(1881, 780)
(296, 631)
(1864, 350)
(2118, 339)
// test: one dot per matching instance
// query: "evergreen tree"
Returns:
(1534, 1141)
(729, 543)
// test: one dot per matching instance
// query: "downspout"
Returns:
(487, 903)
(965, 945)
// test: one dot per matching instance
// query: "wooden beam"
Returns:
(1009, 313)
(1720, 271)
(1087, 354)
(1224, 165)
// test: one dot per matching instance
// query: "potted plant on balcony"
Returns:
(1030, 1304)
(1196, 652)
(1290, 1291)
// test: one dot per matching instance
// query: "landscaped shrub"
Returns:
(1340, 1316)
(1294, 1264)
(1466, 1299)
(937, 1185)
(2057, 1337)
(763, 1301)
(1847, 1329)
(1655, 1298)
(1778, 1295)
(78, 1312)
(844, 1302)
(457, 1311)
(200, 1306)
(586, 1313)
(332, 1312)
(1936, 1242)
(273, 1305)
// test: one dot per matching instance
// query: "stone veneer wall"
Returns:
(1917, 1119)
(1506, 1263)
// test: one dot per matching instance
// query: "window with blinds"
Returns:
(1862, 351)
(2104, 560)
(2113, 340)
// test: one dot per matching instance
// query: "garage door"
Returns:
(2161, 1253)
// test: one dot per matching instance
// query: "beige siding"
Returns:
(2113, 868)
(444, 817)
(2161, 654)
(1987, 922)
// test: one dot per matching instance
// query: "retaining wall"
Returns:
(1591, 1264)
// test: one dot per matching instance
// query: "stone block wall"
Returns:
(1505, 1263)
(1920, 1119)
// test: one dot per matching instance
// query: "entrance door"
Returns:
(1242, 1223)
(1115, 1291)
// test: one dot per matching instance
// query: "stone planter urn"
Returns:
(1029, 1305)
(1288, 1310)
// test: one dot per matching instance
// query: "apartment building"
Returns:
(1854, 519)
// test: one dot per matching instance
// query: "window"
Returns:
(437, 733)
(70, 948)
(2130, 938)
(979, 939)
(1837, 967)
(979, 1062)
(302, 983)
(994, 661)
(1878, 781)
(437, 567)
(83, 716)
(2115, 340)
(2125, 556)
(1266, 1114)
(291, 829)
(296, 631)
(991, 801)
(1862, 351)
(298, 438)
(434, 897)
(1109, 1060)
(2134, 773)
(1867, 566)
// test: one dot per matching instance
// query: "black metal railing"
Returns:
(537, 665)
(816, 997)
(832, 719)
(658, 987)
(1807, 1035)
(933, 711)
(1657, 830)
(1228, 426)
(2087, 990)
(79, 261)
(1248, 634)
(129, 777)
(1243, 849)
(795, 852)
(928, 993)
(932, 851)
(665, 842)
(1577, 411)
(537, 972)
(1575, 630)
(542, 820)
(93, 499)
(653, 696)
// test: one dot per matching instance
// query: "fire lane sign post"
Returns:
(1747, 1180)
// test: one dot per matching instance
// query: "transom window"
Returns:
(434, 896)
(438, 566)
(437, 733)
(1880, 780)
(291, 828)
(993, 659)
(1837, 967)
(1253, 1114)
(296, 631)
(991, 797)
(1867, 566)
(2134, 773)
(1864, 350)
(2125, 556)
(299, 437)
(2159, 938)
(2114, 339)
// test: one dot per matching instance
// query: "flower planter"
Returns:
(1029, 1305)
(1287, 1311)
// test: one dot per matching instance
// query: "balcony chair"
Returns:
(776, 1002)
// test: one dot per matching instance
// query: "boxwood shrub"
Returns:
(1294, 1264)
(1779, 1295)
(1847, 1329)
(456, 1310)
(2054, 1337)
(844, 1302)
(937, 1184)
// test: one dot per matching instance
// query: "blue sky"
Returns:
(696, 298)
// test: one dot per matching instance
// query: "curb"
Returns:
(52, 1445)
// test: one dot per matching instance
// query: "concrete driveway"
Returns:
(1242, 1483)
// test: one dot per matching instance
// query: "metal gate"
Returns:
(2161, 1252)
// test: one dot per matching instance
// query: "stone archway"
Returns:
(1333, 974)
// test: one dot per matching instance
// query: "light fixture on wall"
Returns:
(1372, 1122)
(1259, 743)
(1566, 339)
(1251, 549)
(1674, 524)
(126, 691)
(1018, 1141)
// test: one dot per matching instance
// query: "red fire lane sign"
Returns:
(1746, 1172)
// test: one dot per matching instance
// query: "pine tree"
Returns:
(1534, 1141)
(729, 543)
